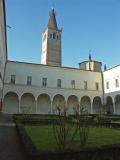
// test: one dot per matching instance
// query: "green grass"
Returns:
(103, 136)
(43, 138)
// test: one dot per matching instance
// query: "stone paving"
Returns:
(10, 145)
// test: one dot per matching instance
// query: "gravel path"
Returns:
(10, 146)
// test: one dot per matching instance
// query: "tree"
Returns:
(82, 124)
(61, 128)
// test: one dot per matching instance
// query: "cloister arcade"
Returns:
(45, 104)
(109, 105)
(117, 104)
(72, 102)
(97, 103)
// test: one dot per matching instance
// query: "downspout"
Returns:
(103, 89)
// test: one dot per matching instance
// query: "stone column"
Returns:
(79, 104)
(66, 107)
(36, 106)
(114, 107)
(91, 107)
(19, 105)
(51, 108)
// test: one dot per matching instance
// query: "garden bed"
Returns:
(44, 140)
(39, 142)
(38, 138)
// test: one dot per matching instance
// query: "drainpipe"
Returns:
(103, 91)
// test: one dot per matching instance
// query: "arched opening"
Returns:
(11, 103)
(86, 104)
(117, 104)
(71, 103)
(43, 104)
(28, 103)
(97, 104)
(58, 101)
(109, 105)
(54, 35)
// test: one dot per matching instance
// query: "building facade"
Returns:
(112, 89)
(3, 48)
(40, 88)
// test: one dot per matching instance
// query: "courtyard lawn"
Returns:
(43, 137)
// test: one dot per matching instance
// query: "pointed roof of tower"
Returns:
(52, 23)
(90, 57)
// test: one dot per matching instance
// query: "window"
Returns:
(85, 84)
(107, 85)
(29, 80)
(13, 79)
(44, 82)
(59, 83)
(73, 83)
(57, 37)
(54, 35)
(50, 35)
(116, 83)
(97, 86)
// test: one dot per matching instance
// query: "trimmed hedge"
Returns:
(94, 120)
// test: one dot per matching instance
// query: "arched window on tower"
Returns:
(54, 35)
(57, 37)
(50, 35)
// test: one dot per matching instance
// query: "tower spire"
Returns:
(52, 23)
(105, 67)
(51, 42)
(90, 58)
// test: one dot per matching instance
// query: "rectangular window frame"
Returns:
(85, 85)
(59, 83)
(107, 85)
(29, 80)
(13, 78)
(97, 86)
(116, 82)
(73, 83)
(44, 82)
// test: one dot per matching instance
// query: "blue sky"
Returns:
(87, 25)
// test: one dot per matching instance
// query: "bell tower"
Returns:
(51, 42)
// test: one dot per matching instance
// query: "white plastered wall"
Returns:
(22, 70)
(109, 76)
